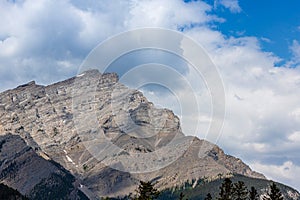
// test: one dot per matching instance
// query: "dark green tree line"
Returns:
(146, 191)
(226, 190)
(239, 191)
(274, 193)
(253, 195)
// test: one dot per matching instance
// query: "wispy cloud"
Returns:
(295, 48)
(232, 5)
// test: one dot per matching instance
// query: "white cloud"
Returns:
(232, 5)
(168, 13)
(37, 38)
(265, 113)
(294, 137)
(295, 48)
(287, 173)
(41, 36)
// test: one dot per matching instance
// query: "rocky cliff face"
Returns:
(102, 131)
(37, 178)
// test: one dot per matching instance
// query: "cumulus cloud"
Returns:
(287, 172)
(39, 40)
(295, 48)
(294, 137)
(48, 39)
(261, 99)
(232, 5)
(169, 14)
(53, 37)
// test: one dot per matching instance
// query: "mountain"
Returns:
(108, 137)
(32, 175)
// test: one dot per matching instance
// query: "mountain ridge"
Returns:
(56, 121)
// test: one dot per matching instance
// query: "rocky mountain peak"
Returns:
(101, 131)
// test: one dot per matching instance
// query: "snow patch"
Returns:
(70, 160)
(80, 75)
(195, 184)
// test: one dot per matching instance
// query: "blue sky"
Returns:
(255, 45)
(275, 23)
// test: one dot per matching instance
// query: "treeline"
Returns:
(239, 191)
(145, 191)
(227, 191)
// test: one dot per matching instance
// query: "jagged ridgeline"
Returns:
(51, 136)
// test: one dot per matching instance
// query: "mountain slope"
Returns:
(22, 169)
(199, 190)
(109, 136)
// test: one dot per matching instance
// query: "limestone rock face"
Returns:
(110, 136)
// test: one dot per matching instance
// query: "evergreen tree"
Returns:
(146, 191)
(274, 193)
(226, 190)
(240, 191)
(181, 196)
(253, 195)
(208, 197)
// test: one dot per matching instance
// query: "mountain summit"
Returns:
(108, 137)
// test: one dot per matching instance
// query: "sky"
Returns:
(255, 45)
